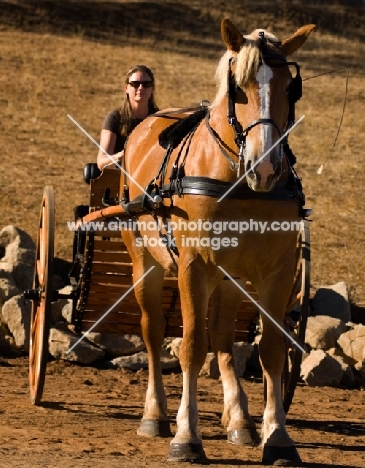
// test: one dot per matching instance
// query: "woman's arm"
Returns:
(107, 142)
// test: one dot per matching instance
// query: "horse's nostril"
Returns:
(278, 169)
(248, 169)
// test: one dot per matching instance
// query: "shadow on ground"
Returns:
(180, 26)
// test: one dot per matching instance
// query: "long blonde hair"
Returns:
(128, 122)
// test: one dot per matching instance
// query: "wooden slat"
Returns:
(112, 317)
(121, 307)
(102, 305)
(111, 257)
(174, 332)
(112, 291)
(106, 234)
(114, 245)
(118, 268)
(170, 282)
(241, 336)
(127, 327)
(121, 329)
(98, 301)
(246, 308)
(111, 279)
(177, 332)
(247, 318)
(168, 295)
(133, 313)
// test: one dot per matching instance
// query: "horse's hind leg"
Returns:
(155, 421)
(241, 428)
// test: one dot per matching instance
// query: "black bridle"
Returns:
(294, 94)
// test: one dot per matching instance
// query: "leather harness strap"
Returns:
(189, 185)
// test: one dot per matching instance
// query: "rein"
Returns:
(320, 169)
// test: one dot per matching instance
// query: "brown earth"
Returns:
(69, 57)
(89, 417)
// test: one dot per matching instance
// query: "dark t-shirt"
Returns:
(112, 123)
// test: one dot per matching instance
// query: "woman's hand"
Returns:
(119, 156)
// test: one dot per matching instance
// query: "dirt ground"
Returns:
(60, 58)
(89, 417)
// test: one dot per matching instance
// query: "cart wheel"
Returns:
(291, 372)
(41, 305)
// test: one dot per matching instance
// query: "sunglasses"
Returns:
(145, 84)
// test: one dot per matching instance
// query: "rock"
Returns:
(348, 378)
(66, 311)
(140, 361)
(210, 367)
(8, 348)
(333, 301)
(319, 369)
(360, 367)
(253, 363)
(338, 352)
(322, 331)
(12, 237)
(60, 342)
(59, 306)
(19, 253)
(353, 343)
(16, 315)
(173, 346)
(8, 288)
(241, 353)
(117, 345)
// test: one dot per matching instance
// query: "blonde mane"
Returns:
(247, 62)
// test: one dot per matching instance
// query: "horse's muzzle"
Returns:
(260, 180)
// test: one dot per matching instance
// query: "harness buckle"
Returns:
(241, 157)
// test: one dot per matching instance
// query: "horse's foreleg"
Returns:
(194, 292)
(241, 428)
(278, 448)
(155, 421)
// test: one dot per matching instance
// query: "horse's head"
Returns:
(261, 96)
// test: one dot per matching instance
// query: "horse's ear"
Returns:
(293, 43)
(232, 38)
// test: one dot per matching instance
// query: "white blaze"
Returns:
(263, 77)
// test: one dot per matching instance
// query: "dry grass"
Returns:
(54, 65)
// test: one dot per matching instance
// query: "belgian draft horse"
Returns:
(190, 181)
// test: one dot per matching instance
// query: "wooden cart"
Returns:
(102, 286)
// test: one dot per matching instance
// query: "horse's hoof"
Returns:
(248, 436)
(154, 428)
(281, 456)
(193, 453)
